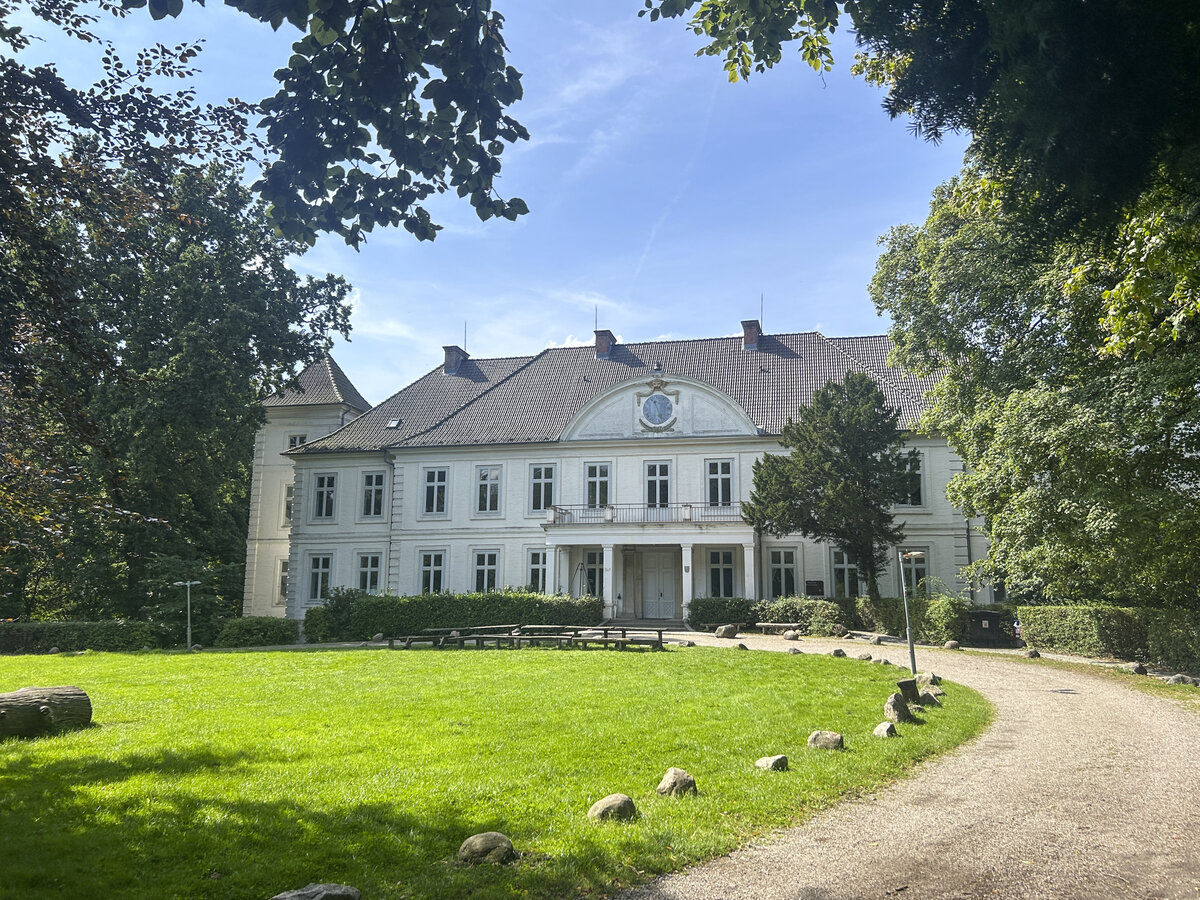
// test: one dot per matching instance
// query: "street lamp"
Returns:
(187, 585)
(912, 651)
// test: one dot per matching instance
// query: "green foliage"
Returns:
(885, 615)
(258, 631)
(112, 635)
(844, 473)
(719, 611)
(1173, 638)
(400, 616)
(945, 619)
(812, 616)
(1105, 631)
(331, 620)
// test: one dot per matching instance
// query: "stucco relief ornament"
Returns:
(657, 408)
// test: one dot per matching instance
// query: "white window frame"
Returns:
(497, 483)
(431, 567)
(485, 567)
(725, 571)
(593, 572)
(535, 568)
(322, 511)
(429, 491)
(315, 593)
(592, 484)
(920, 563)
(372, 492)
(718, 479)
(542, 487)
(289, 503)
(778, 562)
(281, 571)
(296, 440)
(367, 571)
(841, 572)
(919, 494)
(660, 478)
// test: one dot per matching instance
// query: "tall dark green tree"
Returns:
(846, 469)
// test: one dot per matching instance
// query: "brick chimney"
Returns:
(751, 332)
(454, 358)
(605, 341)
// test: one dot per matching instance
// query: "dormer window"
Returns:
(296, 440)
(394, 423)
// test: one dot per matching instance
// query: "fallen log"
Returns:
(48, 710)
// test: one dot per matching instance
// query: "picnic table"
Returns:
(561, 636)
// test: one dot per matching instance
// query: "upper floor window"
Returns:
(783, 573)
(296, 440)
(720, 482)
(289, 502)
(915, 496)
(436, 482)
(368, 572)
(597, 489)
(487, 481)
(372, 494)
(845, 574)
(720, 573)
(487, 570)
(433, 571)
(541, 483)
(658, 484)
(323, 496)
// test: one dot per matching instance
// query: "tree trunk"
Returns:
(33, 711)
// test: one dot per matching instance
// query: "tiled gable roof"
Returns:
(532, 399)
(322, 382)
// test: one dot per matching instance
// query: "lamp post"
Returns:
(912, 651)
(187, 585)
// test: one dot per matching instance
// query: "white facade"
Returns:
(637, 500)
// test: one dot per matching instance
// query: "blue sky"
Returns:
(661, 195)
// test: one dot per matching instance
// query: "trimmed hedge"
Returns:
(258, 631)
(1110, 631)
(887, 616)
(812, 616)
(1173, 638)
(112, 635)
(719, 611)
(396, 616)
(945, 620)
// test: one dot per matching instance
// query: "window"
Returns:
(283, 583)
(318, 581)
(658, 484)
(368, 572)
(433, 571)
(597, 484)
(289, 502)
(783, 573)
(487, 479)
(372, 494)
(915, 496)
(541, 479)
(845, 574)
(720, 483)
(487, 565)
(537, 571)
(720, 573)
(296, 440)
(916, 569)
(323, 497)
(593, 572)
(436, 482)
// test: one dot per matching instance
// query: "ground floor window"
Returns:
(593, 572)
(845, 574)
(915, 563)
(433, 571)
(283, 583)
(318, 577)
(537, 571)
(487, 566)
(368, 572)
(783, 573)
(720, 573)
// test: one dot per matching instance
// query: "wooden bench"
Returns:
(500, 636)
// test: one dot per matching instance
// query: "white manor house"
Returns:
(616, 470)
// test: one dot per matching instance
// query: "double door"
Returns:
(659, 585)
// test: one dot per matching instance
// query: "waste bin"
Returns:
(989, 628)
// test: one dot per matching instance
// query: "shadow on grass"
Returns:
(148, 825)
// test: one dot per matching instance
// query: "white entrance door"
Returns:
(658, 584)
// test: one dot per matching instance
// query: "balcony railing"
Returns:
(642, 513)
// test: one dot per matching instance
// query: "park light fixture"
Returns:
(187, 585)
(912, 651)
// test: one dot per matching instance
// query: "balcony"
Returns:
(643, 514)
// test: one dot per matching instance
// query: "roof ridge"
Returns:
(867, 368)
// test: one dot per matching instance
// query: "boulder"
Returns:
(795, 651)
(727, 631)
(614, 806)
(377, 637)
(676, 782)
(1135, 668)
(885, 730)
(934, 690)
(881, 662)
(488, 847)
(791, 635)
(825, 740)
(928, 698)
(321, 892)
(838, 652)
(1179, 679)
(839, 630)
(197, 647)
(927, 678)
(1032, 654)
(877, 640)
(772, 763)
(740, 646)
(951, 645)
(865, 657)
(896, 710)
(56, 650)
(908, 688)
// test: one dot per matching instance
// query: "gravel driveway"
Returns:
(1082, 788)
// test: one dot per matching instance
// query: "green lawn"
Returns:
(243, 774)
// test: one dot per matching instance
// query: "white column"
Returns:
(609, 589)
(750, 564)
(686, 550)
(552, 570)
